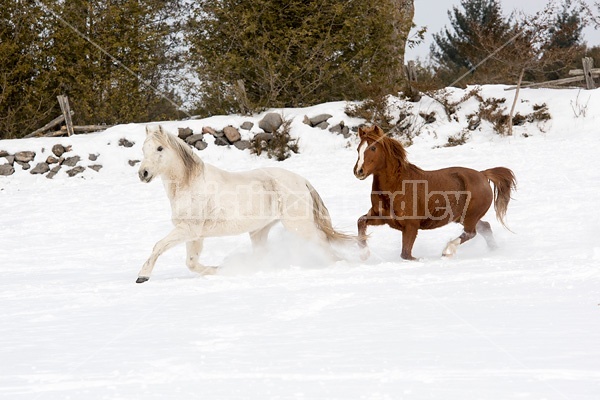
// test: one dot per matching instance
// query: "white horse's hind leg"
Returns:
(194, 248)
(175, 237)
(307, 230)
(259, 237)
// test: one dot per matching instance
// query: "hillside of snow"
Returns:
(520, 322)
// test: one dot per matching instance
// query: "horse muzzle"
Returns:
(144, 175)
(360, 174)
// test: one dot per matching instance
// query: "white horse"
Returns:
(207, 201)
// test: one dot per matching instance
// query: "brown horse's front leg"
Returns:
(409, 235)
(364, 221)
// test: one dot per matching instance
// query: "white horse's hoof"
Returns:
(142, 279)
(208, 270)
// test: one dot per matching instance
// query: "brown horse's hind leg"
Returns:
(485, 229)
(452, 245)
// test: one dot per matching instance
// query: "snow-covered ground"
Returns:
(522, 322)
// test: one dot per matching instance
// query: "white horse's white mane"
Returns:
(192, 164)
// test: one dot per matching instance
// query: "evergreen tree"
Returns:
(477, 29)
(24, 103)
(273, 53)
(43, 57)
(138, 35)
(563, 43)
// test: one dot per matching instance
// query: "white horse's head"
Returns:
(165, 154)
(157, 154)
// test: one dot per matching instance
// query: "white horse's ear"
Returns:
(161, 131)
(147, 130)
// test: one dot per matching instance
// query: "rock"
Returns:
(209, 131)
(191, 140)
(474, 123)
(71, 161)
(74, 171)
(53, 172)
(316, 120)
(10, 160)
(125, 143)
(95, 167)
(6, 170)
(41, 168)
(184, 133)
(200, 145)
(340, 129)
(428, 117)
(25, 156)
(51, 160)
(270, 122)
(221, 141)
(4, 153)
(242, 144)
(24, 165)
(322, 125)
(263, 136)
(58, 150)
(232, 134)
(247, 125)
(93, 157)
(133, 162)
(337, 128)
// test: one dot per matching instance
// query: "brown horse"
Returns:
(407, 198)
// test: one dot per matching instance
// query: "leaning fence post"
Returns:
(63, 101)
(588, 64)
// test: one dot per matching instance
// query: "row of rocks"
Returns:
(51, 166)
(230, 135)
(320, 121)
(270, 124)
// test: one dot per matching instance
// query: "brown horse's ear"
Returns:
(361, 132)
(378, 130)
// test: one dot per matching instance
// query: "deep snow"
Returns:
(522, 322)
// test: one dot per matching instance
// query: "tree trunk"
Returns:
(512, 109)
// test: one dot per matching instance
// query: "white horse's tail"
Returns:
(323, 220)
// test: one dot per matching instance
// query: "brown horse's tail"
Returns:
(323, 220)
(504, 182)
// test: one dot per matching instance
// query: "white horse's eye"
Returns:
(160, 148)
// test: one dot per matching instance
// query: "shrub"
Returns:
(278, 145)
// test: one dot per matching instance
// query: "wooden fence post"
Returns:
(410, 71)
(588, 65)
(63, 101)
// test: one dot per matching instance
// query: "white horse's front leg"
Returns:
(192, 260)
(175, 237)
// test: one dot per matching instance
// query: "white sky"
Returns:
(434, 15)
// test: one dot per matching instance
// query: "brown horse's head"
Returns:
(376, 151)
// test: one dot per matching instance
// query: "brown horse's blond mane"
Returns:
(192, 164)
